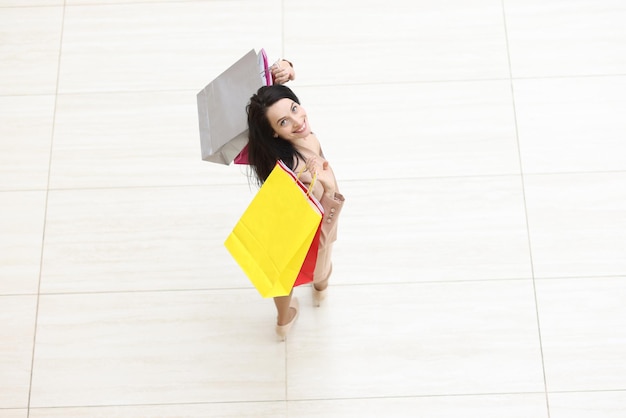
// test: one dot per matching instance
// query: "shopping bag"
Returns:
(222, 105)
(242, 157)
(272, 239)
(307, 272)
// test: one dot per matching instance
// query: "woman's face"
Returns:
(288, 119)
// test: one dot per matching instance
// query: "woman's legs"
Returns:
(323, 267)
(320, 289)
(323, 270)
(321, 285)
(287, 308)
(285, 313)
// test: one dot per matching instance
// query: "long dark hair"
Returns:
(264, 150)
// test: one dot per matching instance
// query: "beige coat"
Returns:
(332, 208)
(332, 205)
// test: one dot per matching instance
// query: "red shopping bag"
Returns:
(308, 266)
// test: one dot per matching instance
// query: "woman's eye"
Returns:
(282, 123)
(294, 108)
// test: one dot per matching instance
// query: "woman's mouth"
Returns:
(302, 129)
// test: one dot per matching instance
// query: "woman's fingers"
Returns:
(281, 75)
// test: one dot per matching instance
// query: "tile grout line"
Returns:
(347, 180)
(282, 54)
(316, 85)
(523, 184)
(345, 285)
(350, 180)
(327, 399)
(45, 217)
(286, 370)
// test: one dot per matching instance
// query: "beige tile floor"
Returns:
(481, 265)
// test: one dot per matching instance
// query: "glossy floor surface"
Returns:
(480, 269)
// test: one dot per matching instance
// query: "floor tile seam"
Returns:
(587, 277)
(529, 241)
(137, 3)
(282, 48)
(45, 218)
(190, 186)
(573, 173)
(321, 399)
(431, 282)
(334, 285)
(530, 253)
(295, 400)
(569, 76)
(32, 6)
(427, 178)
(248, 289)
(142, 187)
(103, 3)
(152, 404)
(193, 92)
(486, 176)
(490, 280)
(565, 392)
(457, 395)
(50, 94)
(459, 80)
(132, 187)
(343, 180)
(218, 290)
(91, 93)
(37, 190)
(142, 291)
(424, 396)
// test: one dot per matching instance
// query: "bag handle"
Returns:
(310, 189)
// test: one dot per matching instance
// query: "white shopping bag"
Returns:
(222, 107)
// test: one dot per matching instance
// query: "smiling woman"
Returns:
(264, 114)
(279, 130)
(288, 119)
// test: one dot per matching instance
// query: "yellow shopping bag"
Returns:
(271, 239)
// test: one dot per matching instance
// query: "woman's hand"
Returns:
(282, 72)
(324, 174)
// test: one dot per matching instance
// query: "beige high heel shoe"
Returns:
(282, 330)
(319, 296)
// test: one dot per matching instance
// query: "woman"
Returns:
(279, 130)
